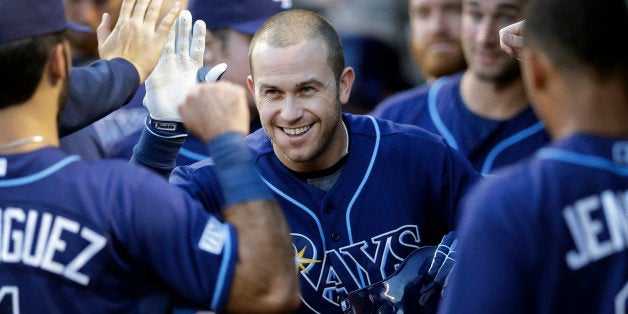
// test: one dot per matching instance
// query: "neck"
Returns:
(493, 100)
(596, 108)
(24, 124)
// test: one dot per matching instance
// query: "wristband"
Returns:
(166, 129)
(236, 172)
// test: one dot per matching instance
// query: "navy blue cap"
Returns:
(245, 16)
(29, 18)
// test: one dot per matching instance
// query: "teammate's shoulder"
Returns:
(401, 102)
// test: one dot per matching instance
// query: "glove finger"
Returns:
(445, 269)
(441, 252)
(197, 49)
(183, 36)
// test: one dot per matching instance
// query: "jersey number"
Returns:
(9, 300)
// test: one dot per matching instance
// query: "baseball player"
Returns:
(108, 237)
(550, 235)
(359, 194)
(483, 111)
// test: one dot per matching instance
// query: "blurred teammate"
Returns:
(550, 235)
(230, 27)
(107, 237)
(360, 194)
(484, 111)
(435, 42)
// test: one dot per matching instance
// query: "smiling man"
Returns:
(360, 194)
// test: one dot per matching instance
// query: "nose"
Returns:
(291, 111)
(488, 33)
(436, 23)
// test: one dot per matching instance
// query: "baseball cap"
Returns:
(30, 18)
(245, 16)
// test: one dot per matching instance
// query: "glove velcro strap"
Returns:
(166, 129)
(236, 172)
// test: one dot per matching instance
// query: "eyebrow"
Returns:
(501, 6)
(298, 85)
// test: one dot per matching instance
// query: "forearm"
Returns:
(96, 91)
(265, 277)
(266, 274)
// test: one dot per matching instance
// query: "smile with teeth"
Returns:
(297, 131)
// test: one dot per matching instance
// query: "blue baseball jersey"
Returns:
(105, 237)
(398, 190)
(488, 144)
(547, 236)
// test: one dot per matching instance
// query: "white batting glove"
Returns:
(175, 74)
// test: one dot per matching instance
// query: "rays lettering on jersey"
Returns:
(599, 227)
(40, 239)
(339, 271)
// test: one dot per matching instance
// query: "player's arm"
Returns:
(131, 49)
(265, 277)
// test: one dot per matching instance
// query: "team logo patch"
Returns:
(213, 237)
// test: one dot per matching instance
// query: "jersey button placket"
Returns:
(335, 236)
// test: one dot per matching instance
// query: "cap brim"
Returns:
(79, 28)
(249, 27)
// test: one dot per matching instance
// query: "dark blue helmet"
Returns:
(416, 287)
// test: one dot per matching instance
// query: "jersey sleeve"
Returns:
(492, 260)
(96, 91)
(183, 245)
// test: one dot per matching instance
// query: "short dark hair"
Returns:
(295, 26)
(22, 62)
(580, 34)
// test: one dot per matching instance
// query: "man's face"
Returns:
(235, 53)
(481, 22)
(89, 13)
(299, 103)
(435, 30)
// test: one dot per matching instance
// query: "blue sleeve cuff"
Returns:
(156, 153)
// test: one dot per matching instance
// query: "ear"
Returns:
(249, 82)
(537, 70)
(58, 64)
(346, 81)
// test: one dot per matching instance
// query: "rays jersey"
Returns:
(488, 144)
(549, 236)
(397, 191)
(105, 237)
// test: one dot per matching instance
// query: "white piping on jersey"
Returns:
(361, 186)
(449, 138)
(220, 282)
(511, 140)
(298, 204)
(192, 155)
(41, 174)
(433, 110)
(582, 160)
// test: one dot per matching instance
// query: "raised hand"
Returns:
(136, 36)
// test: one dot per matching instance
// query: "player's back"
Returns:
(62, 228)
(554, 234)
(584, 217)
